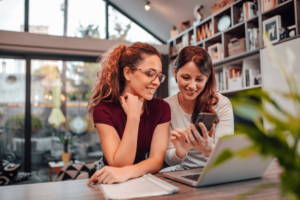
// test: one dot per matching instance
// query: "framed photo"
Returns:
(271, 26)
(215, 52)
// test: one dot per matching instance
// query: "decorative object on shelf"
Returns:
(291, 31)
(224, 23)
(184, 25)
(271, 26)
(203, 32)
(191, 40)
(174, 32)
(197, 14)
(221, 4)
(254, 7)
(236, 46)
(241, 18)
(66, 140)
(283, 33)
(215, 52)
(267, 5)
(257, 79)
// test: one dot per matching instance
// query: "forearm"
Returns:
(151, 165)
(126, 151)
(171, 158)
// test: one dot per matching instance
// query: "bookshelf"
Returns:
(247, 59)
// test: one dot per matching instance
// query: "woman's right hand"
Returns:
(181, 142)
(132, 105)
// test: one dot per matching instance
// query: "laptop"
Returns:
(235, 169)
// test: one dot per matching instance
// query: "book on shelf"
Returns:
(253, 38)
(221, 85)
(217, 81)
(247, 10)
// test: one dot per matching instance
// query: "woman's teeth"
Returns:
(190, 91)
(151, 90)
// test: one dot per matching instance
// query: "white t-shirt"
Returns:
(180, 119)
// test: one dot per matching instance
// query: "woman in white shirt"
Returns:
(195, 76)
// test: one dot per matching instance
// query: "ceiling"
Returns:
(163, 13)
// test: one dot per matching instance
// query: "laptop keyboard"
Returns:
(193, 177)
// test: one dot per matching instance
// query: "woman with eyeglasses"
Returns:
(195, 76)
(129, 121)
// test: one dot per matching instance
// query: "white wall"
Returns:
(273, 79)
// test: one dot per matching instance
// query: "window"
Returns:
(121, 28)
(86, 19)
(46, 17)
(12, 109)
(74, 81)
(12, 15)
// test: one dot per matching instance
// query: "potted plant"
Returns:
(282, 140)
(66, 155)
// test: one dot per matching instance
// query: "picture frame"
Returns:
(271, 26)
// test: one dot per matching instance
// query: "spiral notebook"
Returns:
(145, 186)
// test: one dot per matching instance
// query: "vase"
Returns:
(65, 157)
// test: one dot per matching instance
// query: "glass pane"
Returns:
(12, 15)
(46, 17)
(121, 28)
(12, 109)
(66, 87)
(86, 19)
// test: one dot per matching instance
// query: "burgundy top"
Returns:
(112, 113)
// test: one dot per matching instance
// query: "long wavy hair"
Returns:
(110, 81)
(208, 97)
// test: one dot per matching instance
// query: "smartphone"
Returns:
(207, 119)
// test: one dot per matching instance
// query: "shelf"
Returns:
(238, 90)
(235, 57)
(181, 34)
(253, 19)
(279, 8)
(237, 26)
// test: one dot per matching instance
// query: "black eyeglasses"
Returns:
(152, 75)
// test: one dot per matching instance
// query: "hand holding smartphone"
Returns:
(207, 119)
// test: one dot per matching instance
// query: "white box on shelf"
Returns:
(235, 83)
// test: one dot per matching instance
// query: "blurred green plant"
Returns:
(18, 121)
(282, 140)
(66, 140)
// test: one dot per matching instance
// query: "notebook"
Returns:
(145, 186)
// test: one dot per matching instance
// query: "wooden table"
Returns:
(74, 190)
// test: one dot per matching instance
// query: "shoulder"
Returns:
(172, 100)
(158, 103)
(106, 106)
(223, 103)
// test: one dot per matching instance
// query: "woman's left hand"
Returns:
(109, 175)
(202, 143)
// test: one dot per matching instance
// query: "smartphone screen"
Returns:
(207, 118)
